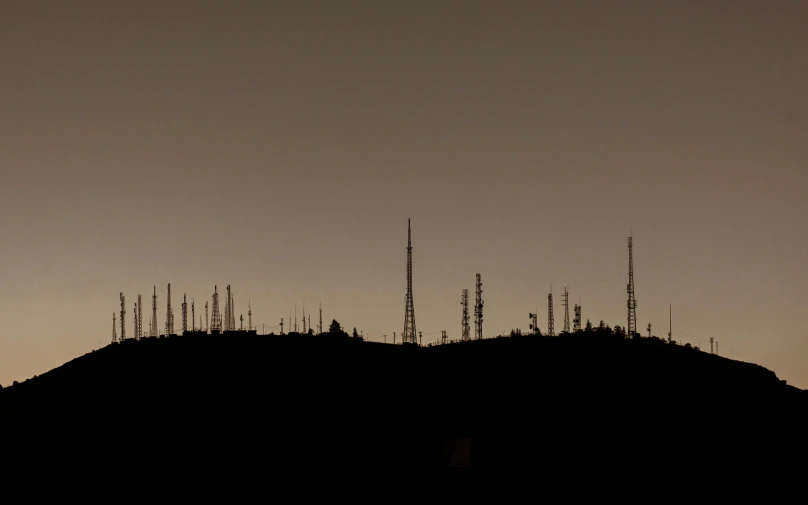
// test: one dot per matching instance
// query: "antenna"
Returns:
(576, 322)
(216, 319)
(443, 337)
(169, 314)
(304, 317)
(123, 318)
(408, 336)
(249, 314)
(295, 318)
(550, 317)
(134, 317)
(631, 328)
(478, 310)
(711, 345)
(184, 313)
(241, 323)
(114, 335)
(207, 321)
(193, 316)
(281, 326)
(465, 330)
(320, 327)
(649, 330)
(153, 322)
(566, 301)
(534, 322)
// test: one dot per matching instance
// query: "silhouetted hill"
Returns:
(639, 415)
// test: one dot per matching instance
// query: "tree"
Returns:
(355, 333)
(335, 327)
(602, 325)
(588, 326)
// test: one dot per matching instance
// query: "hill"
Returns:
(655, 417)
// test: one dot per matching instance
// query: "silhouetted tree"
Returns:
(619, 330)
(602, 325)
(588, 325)
(355, 333)
(335, 327)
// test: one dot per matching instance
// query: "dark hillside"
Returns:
(580, 407)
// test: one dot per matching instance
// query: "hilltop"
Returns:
(580, 404)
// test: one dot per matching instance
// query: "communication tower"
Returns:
(550, 317)
(123, 318)
(534, 322)
(408, 336)
(139, 317)
(576, 322)
(465, 330)
(249, 314)
(169, 314)
(566, 301)
(215, 319)
(184, 313)
(631, 327)
(478, 311)
(153, 322)
(114, 334)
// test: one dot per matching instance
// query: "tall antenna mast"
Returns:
(550, 316)
(215, 319)
(241, 322)
(295, 318)
(193, 316)
(207, 321)
(304, 317)
(123, 318)
(566, 310)
(114, 334)
(169, 314)
(478, 310)
(631, 327)
(576, 322)
(184, 313)
(249, 314)
(320, 327)
(139, 317)
(408, 336)
(134, 317)
(153, 324)
(465, 330)
(534, 322)
(281, 326)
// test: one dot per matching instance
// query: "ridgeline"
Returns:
(586, 407)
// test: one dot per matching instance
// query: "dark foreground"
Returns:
(583, 416)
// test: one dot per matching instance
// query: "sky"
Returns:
(280, 147)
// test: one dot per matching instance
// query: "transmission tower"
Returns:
(169, 314)
(249, 314)
(241, 322)
(576, 322)
(193, 316)
(123, 318)
(465, 330)
(443, 337)
(712, 341)
(227, 310)
(207, 321)
(114, 334)
(631, 327)
(566, 301)
(139, 317)
(649, 330)
(153, 322)
(478, 311)
(534, 322)
(304, 317)
(215, 319)
(310, 324)
(184, 313)
(281, 326)
(134, 318)
(320, 326)
(408, 336)
(550, 317)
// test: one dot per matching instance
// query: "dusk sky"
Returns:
(280, 147)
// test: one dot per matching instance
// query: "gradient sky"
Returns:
(281, 146)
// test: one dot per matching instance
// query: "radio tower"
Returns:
(193, 316)
(207, 321)
(249, 315)
(534, 322)
(114, 334)
(215, 320)
(227, 310)
(184, 313)
(139, 317)
(566, 311)
(281, 326)
(409, 335)
(123, 318)
(478, 311)
(304, 317)
(465, 330)
(134, 317)
(169, 314)
(320, 326)
(631, 327)
(576, 322)
(550, 317)
(153, 323)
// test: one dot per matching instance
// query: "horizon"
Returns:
(280, 150)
